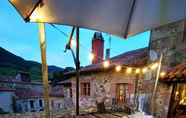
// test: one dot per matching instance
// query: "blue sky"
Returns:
(22, 39)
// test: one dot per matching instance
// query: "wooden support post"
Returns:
(44, 69)
(155, 85)
(77, 71)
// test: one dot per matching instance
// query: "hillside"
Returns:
(10, 64)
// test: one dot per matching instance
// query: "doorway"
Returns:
(121, 93)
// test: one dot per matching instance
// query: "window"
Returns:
(31, 103)
(180, 94)
(40, 103)
(85, 89)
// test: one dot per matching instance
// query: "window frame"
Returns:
(85, 89)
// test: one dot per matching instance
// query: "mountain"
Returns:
(10, 64)
(52, 69)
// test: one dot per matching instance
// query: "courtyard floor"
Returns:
(102, 115)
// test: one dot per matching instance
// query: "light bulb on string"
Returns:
(91, 56)
(118, 68)
(162, 74)
(72, 43)
(154, 66)
(144, 70)
(137, 71)
(129, 70)
(106, 64)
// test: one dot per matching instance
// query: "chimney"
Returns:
(107, 54)
(97, 48)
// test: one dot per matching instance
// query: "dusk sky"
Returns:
(22, 39)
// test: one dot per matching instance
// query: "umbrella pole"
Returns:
(155, 85)
(77, 71)
(44, 69)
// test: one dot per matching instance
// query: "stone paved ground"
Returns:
(65, 114)
(102, 115)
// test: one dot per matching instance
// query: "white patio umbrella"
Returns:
(119, 17)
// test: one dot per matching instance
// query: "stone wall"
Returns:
(103, 87)
(6, 102)
(163, 100)
(23, 115)
(54, 114)
(169, 40)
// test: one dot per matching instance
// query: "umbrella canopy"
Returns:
(118, 17)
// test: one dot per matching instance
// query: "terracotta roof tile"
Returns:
(175, 74)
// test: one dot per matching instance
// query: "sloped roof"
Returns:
(24, 94)
(24, 91)
(6, 89)
(35, 93)
(135, 58)
(12, 79)
(176, 74)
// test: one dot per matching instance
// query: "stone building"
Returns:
(96, 81)
(175, 78)
(99, 83)
(19, 94)
(170, 40)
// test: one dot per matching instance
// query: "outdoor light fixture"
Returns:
(144, 70)
(91, 56)
(118, 68)
(36, 16)
(106, 64)
(154, 66)
(162, 74)
(137, 71)
(129, 70)
(72, 43)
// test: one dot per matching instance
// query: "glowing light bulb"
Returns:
(154, 66)
(144, 70)
(72, 43)
(36, 16)
(91, 56)
(129, 70)
(162, 74)
(106, 64)
(118, 68)
(137, 71)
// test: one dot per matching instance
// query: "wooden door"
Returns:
(120, 93)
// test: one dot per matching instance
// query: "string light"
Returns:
(91, 56)
(162, 74)
(118, 68)
(144, 70)
(137, 71)
(129, 70)
(106, 64)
